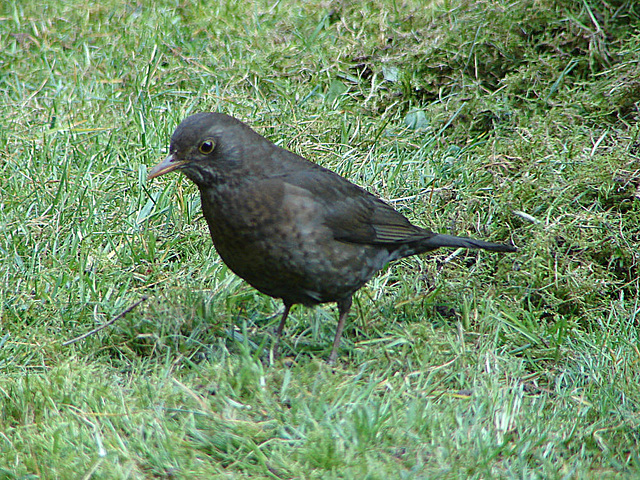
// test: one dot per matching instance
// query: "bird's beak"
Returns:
(169, 164)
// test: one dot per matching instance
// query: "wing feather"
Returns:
(353, 214)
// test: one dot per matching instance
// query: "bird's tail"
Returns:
(441, 240)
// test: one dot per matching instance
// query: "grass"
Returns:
(453, 365)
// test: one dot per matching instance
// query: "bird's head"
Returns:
(205, 146)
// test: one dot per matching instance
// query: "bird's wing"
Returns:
(353, 214)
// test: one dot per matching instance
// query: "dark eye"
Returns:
(207, 147)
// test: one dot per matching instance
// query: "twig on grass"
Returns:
(110, 322)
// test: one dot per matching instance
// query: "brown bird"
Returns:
(292, 229)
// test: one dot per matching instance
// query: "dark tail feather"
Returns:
(442, 240)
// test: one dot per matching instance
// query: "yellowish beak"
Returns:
(169, 164)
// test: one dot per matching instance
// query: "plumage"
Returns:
(291, 228)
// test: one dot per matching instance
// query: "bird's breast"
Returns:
(281, 245)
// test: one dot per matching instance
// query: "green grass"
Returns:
(460, 113)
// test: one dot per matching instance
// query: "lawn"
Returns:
(509, 121)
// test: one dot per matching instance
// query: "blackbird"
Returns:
(292, 229)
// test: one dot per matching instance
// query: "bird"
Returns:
(292, 229)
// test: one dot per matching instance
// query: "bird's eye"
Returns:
(207, 147)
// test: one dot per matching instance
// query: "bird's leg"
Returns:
(343, 311)
(276, 343)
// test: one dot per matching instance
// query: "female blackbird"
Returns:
(292, 229)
